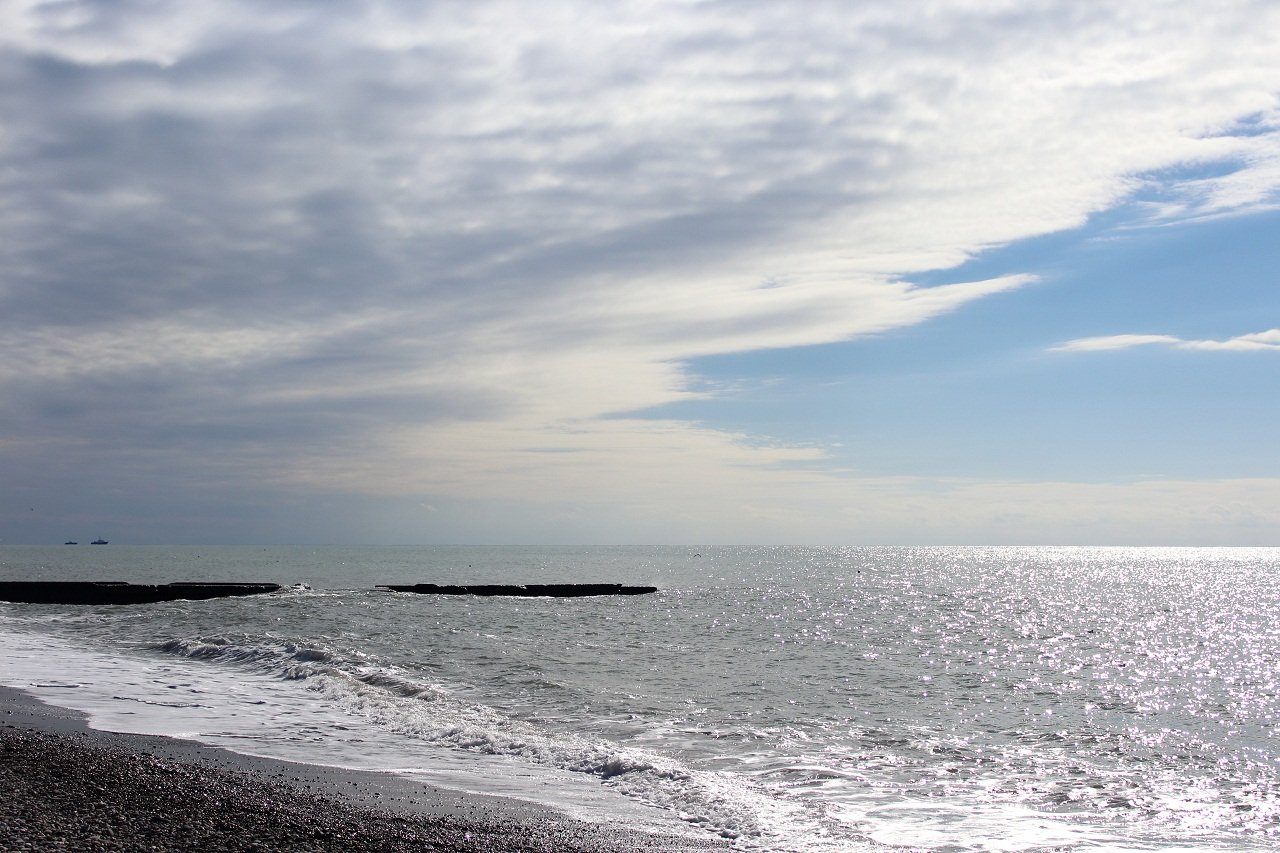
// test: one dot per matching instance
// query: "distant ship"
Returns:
(71, 542)
(98, 542)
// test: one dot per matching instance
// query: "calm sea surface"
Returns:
(793, 699)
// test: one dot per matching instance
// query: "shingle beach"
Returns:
(68, 787)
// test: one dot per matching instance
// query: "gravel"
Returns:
(89, 791)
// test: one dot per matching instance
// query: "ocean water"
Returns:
(791, 699)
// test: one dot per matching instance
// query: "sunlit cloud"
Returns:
(1268, 340)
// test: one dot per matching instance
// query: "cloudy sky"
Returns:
(685, 271)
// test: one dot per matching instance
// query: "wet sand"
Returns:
(65, 786)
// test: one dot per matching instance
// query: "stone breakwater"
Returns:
(529, 590)
(119, 592)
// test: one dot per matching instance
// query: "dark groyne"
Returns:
(119, 592)
(531, 590)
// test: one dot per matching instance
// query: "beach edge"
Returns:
(70, 786)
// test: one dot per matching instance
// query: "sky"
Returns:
(675, 271)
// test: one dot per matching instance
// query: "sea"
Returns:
(792, 700)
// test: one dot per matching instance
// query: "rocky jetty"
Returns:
(119, 592)
(531, 590)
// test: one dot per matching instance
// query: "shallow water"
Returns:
(800, 699)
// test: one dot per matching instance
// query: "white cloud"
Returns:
(1268, 340)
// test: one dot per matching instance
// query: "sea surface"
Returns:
(795, 700)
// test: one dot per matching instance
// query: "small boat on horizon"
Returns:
(71, 542)
(99, 542)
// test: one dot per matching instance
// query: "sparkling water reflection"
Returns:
(797, 699)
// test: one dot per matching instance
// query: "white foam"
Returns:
(255, 714)
(301, 703)
(730, 805)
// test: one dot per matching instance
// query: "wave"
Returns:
(284, 659)
(729, 805)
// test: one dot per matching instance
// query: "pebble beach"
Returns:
(69, 787)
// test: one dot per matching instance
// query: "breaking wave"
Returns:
(728, 805)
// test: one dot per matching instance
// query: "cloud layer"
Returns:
(406, 249)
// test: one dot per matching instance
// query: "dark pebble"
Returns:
(62, 793)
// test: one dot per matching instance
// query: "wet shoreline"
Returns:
(70, 787)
